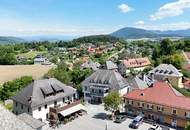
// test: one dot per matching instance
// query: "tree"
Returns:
(112, 101)
(187, 126)
(10, 88)
(167, 47)
(177, 60)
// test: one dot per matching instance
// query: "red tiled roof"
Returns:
(137, 62)
(161, 93)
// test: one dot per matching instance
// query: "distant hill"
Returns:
(10, 40)
(96, 38)
(136, 33)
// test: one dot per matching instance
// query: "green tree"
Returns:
(187, 126)
(112, 101)
(177, 60)
(10, 88)
(167, 47)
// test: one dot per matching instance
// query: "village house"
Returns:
(101, 82)
(167, 72)
(39, 59)
(89, 64)
(161, 103)
(38, 97)
(136, 64)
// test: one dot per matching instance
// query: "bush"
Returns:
(10, 88)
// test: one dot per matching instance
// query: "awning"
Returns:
(72, 110)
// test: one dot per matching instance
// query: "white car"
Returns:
(155, 127)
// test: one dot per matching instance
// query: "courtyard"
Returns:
(96, 120)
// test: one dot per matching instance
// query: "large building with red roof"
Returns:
(161, 103)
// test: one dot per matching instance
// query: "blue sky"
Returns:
(86, 17)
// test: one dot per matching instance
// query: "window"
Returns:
(174, 111)
(47, 116)
(39, 108)
(100, 91)
(16, 104)
(160, 108)
(130, 102)
(85, 88)
(187, 114)
(28, 109)
(74, 96)
(150, 106)
(141, 104)
(45, 106)
(55, 102)
(63, 100)
(21, 106)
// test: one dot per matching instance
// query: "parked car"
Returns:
(155, 127)
(137, 121)
(120, 118)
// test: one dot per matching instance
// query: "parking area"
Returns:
(96, 120)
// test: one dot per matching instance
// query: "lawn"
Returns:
(10, 72)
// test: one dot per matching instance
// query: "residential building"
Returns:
(39, 59)
(167, 72)
(38, 97)
(89, 64)
(136, 64)
(161, 103)
(101, 82)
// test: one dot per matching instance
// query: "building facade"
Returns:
(101, 82)
(37, 98)
(160, 103)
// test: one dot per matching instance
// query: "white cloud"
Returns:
(171, 9)
(166, 26)
(125, 8)
(140, 23)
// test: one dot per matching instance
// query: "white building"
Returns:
(37, 98)
(41, 60)
(101, 82)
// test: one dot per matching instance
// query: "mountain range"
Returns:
(137, 33)
(125, 33)
(9, 40)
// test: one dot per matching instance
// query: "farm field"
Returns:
(10, 72)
